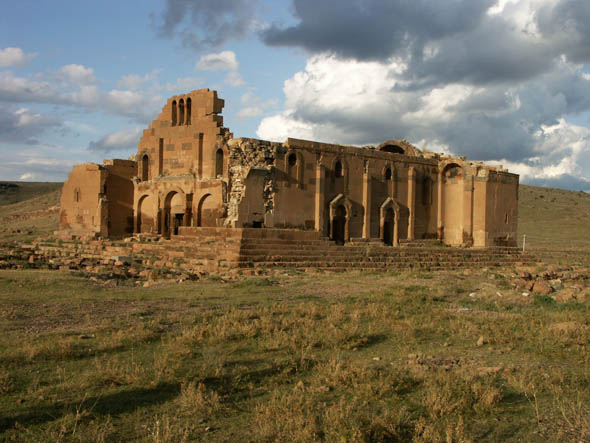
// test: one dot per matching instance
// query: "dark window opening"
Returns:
(145, 166)
(219, 163)
(257, 224)
(77, 195)
(174, 113)
(388, 174)
(338, 169)
(292, 159)
(188, 111)
(181, 112)
(395, 149)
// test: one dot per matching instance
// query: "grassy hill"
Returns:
(28, 209)
(554, 218)
(550, 218)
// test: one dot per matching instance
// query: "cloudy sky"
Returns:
(504, 81)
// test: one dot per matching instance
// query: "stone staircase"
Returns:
(216, 249)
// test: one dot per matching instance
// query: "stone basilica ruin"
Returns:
(190, 176)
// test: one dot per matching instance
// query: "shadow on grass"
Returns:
(112, 404)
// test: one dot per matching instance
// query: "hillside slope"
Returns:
(28, 209)
(553, 218)
(550, 218)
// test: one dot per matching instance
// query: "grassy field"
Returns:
(296, 357)
(453, 356)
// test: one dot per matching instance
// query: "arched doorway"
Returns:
(145, 218)
(339, 225)
(207, 212)
(174, 210)
(388, 226)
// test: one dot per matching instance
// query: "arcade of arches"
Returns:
(190, 171)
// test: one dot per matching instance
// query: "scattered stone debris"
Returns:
(562, 283)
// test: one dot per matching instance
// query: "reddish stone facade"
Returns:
(189, 171)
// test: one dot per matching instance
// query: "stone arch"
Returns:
(174, 114)
(144, 215)
(188, 111)
(173, 213)
(206, 212)
(388, 229)
(145, 167)
(399, 147)
(294, 167)
(340, 211)
(339, 162)
(181, 112)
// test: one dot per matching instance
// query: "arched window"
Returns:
(181, 112)
(388, 174)
(292, 159)
(174, 113)
(219, 163)
(145, 168)
(188, 111)
(77, 195)
(338, 169)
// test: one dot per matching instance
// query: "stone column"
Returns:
(367, 201)
(439, 213)
(319, 194)
(411, 201)
(393, 183)
(395, 229)
(468, 209)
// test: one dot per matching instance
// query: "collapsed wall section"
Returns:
(252, 181)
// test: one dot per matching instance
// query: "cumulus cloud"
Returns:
(474, 41)
(185, 84)
(133, 81)
(123, 140)
(520, 125)
(25, 126)
(77, 74)
(139, 105)
(224, 61)
(234, 79)
(251, 111)
(14, 57)
(203, 25)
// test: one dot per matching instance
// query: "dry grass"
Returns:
(354, 357)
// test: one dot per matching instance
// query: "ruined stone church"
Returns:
(190, 171)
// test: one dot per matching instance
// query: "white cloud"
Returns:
(252, 111)
(133, 81)
(78, 74)
(184, 84)
(27, 176)
(125, 139)
(14, 57)
(234, 79)
(25, 126)
(224, 61)
(354, 102)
